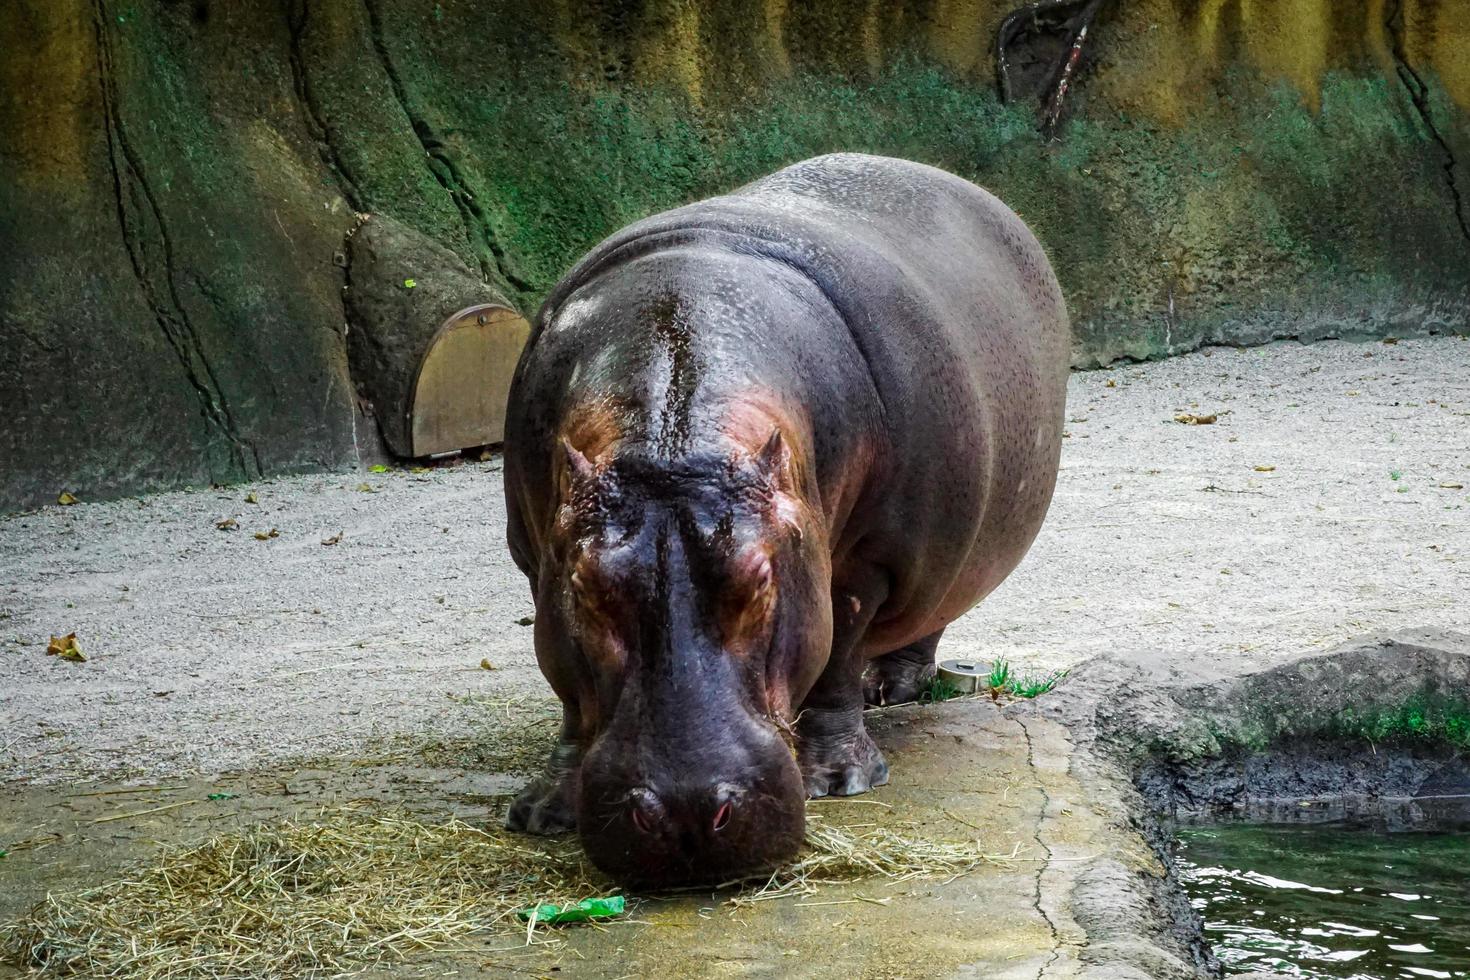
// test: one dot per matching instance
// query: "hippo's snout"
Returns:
(674, 827)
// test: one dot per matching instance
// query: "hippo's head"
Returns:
(693, 593)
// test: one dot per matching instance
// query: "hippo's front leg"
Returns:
(837, 755)
(548, 805)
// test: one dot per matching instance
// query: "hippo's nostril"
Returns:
(722, 816)
(647, 810)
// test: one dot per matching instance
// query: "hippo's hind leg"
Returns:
(901, 676)
(836, 754)
(548, 805)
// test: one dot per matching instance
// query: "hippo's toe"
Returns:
(543, 808)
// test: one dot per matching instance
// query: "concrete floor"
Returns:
(1330, 499)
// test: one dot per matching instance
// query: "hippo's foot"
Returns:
(839, 762)
(548, 805)
(896, 679)
(903, 675)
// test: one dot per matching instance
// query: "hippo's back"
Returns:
(957, 314)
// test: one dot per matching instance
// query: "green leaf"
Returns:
(409, 284)
(223, 796)
(584, 911)
(377, 468)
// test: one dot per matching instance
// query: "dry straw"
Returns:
(350, 887)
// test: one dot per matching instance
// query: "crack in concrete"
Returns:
(481, 234)
(168, 310)
(1419, 95)
(298, 13)
(1056, 936)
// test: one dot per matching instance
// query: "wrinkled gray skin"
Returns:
(760, 451)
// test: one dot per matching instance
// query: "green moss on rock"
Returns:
(1428, 717)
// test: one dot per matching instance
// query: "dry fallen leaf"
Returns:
(267, 535)
(485, 664)
(367, 488)
(66, 499)
(228, 524)
(1110, 384)
(250, 499)
(1189, 418)
(1265, 469)
(334, 539)
(526, 621)
(66, 648)
(1452, 486)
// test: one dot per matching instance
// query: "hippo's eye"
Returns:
(755, 571)
(592, 609)
(586, 587)
(748, 600)
(586, 590)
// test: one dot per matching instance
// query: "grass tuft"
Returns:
(1032, 686)
(939, 689)
(1003, 680)
(1000, 676)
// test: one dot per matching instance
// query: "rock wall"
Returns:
(179, 176)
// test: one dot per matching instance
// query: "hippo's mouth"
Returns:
(718, 812)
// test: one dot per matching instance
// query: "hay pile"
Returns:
(836, 855)
(350, 887)
(300, 898)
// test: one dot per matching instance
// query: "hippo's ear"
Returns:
(576, 469)
(774, 461)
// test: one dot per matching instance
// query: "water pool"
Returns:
(1332, 902)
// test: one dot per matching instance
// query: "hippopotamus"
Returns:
(759, 451)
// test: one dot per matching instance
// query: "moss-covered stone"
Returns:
(1389, 692)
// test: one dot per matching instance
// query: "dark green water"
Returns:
(1323, 902)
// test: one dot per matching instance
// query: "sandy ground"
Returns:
(1330, 499)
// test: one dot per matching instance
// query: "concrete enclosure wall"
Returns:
(177, 178)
